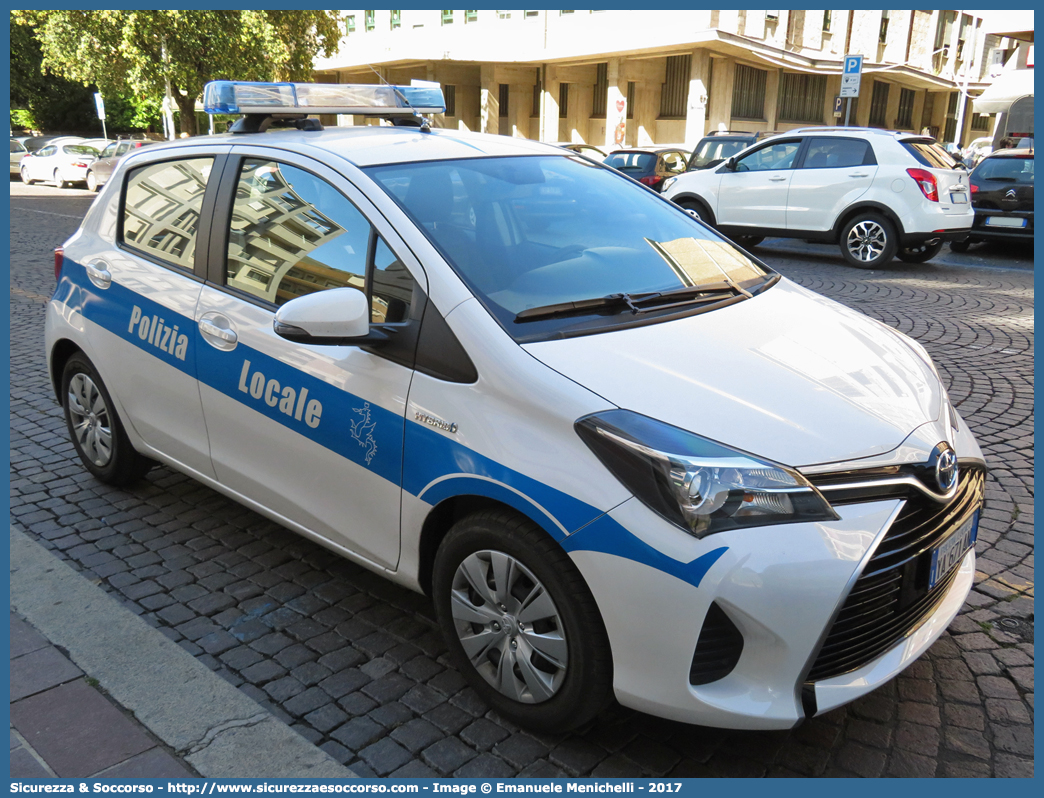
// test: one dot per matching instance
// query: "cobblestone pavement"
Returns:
(357, 664)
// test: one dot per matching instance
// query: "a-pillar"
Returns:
(489, 108)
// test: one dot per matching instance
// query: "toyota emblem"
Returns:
(946, 470)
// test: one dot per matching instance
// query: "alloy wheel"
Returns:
(867, 241)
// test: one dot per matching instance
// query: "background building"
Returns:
(657, 77)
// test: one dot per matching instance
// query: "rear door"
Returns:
(312, 433)
(834, 172)
(141, 291)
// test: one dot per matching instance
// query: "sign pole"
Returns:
(848, 111)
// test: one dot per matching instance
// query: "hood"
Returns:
(788, 375)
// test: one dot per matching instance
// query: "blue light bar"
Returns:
(245, 97)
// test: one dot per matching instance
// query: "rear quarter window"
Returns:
(929, 153)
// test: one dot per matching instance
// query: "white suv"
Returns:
(875, 193)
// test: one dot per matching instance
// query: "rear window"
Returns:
(79, 149)
(627, 161)
(1011, 170)
(930, 153)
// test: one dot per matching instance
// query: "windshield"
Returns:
(711, 151)
(532, 232)
(1011, 170)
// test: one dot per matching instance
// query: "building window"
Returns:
(450, 94)
(504, 89)
(396, 19)
(826, 22)
(674, 94)
(447, 17)
(748, 92)
(562, 13)
(962, 37)
(631, 86)
(943, 34)
(470, 16)
(505, 15)
(601, 91)
(801, 97)
(349, 23)
(563, 100)
(883, 35)
(371, 20)
(531, 14)
(537, 89)
(906, 104)
(980, 122)
(879, 104)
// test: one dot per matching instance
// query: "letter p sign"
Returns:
(853, 64)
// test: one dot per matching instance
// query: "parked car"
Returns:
(588, 150)
(875, 193)
(622, 457)
(648, 165)
(98, 173)
(716, 147)
(977, 150)
(17, 153)
(1002, 196)
(59, 163)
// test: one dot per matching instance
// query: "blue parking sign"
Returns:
(853, 64)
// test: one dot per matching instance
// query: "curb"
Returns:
(209, 723)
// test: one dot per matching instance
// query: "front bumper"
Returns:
(782, 588)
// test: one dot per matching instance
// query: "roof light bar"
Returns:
(244, 97)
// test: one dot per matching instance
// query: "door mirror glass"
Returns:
(330, 316)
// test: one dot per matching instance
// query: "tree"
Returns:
(145, 50)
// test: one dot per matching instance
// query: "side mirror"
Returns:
(731, 164)
(337, 316)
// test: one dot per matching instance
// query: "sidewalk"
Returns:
(158, 712)
(62, 726)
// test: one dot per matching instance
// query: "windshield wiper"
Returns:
(636, 303)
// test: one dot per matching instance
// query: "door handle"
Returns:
(216, 335)
(858, 174)
(778, 179)
(99, 274)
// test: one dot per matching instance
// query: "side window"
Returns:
(123, 147)
(774, 156)
(161, 209)
(47, 151)
(835, 153)
(674, 162)
(109, 151)
(293, 234)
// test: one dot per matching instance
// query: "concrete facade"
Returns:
(535, 53)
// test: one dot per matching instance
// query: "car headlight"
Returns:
(697, 484)
(670, 181)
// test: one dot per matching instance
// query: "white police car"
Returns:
(622, 457)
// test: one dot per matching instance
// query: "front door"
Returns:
(754, 194)
(313, 433)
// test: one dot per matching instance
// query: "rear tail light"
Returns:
(650, 181)
(926, 182)
(78, 163)
(974, 189)
(59, 259)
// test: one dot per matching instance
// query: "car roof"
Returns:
(650, 150)
(1011, 152)
(372, 144)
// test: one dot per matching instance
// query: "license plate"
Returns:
(952, 550)
(1005, 221)
(958, 196)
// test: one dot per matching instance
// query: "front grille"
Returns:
(891, 597)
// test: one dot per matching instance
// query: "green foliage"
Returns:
(139, 52)
(23, 120)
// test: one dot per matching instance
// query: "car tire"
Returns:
(96, 431)
(920, 253)
(92, 182)
(560, 674)
(868, 240)
(960, 246)
(24, 174)
(696, 209)
(59, 181)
